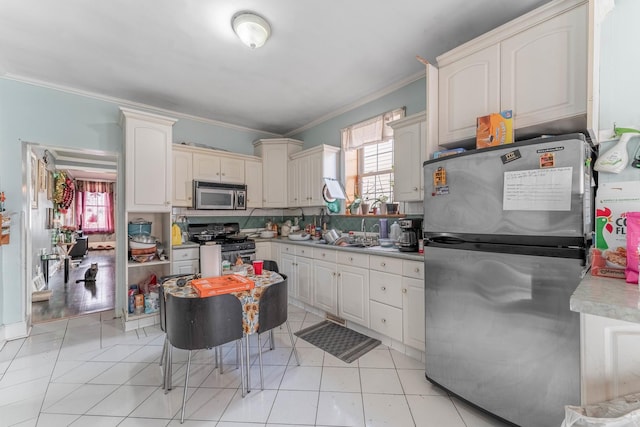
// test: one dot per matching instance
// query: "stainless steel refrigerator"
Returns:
(507, 231)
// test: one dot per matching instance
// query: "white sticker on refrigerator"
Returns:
(538, 190)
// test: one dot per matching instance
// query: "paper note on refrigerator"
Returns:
(538, 190)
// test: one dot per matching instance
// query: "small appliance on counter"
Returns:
(411, 231)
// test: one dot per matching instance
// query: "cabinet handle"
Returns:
(404, 290)
(217, 173)
(417, 270)
(339, 274)
(415, 188)
(384, 288)
(383, 264)
(383, 320)
(350, 258)
(323, 255)
(224, 174)
(334, 273)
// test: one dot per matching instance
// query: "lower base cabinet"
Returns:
(353, 294)
(325, 286)
(610, 353)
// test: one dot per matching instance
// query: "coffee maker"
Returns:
(411, 231)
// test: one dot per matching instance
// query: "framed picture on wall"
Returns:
(42, 176)
(50, 185)
(34, 181)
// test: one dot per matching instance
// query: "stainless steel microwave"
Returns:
(215, 195)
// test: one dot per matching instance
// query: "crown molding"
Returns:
(130, 104)
(359, 103)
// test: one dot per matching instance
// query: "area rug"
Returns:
(341, 342)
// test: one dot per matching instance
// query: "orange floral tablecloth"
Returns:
(250, 299)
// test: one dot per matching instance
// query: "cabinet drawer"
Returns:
(389, 265)
(328, 255)
(386, 288)
(304, 251)
(288, 249)
(350, 258)
(413, 269)
(386, 319)
(185, 267)
(186, 253)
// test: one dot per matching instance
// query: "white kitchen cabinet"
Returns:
(385, 296)
(544, 70)
(263, 251)
(408, 156)
(216, 168)
(147, 139)
(186, 260)
(148, 169)
(182, 177)
(297, 265)
(293, 184)
(413, 319)
(275, 154)
(309, 167)
(610, 354)
(353, 287)
(535, 65)
(468, 88)
(253, 179)
(325, 280)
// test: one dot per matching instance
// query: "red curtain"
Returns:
(94, 206)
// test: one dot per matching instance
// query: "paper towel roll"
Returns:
(210, 260)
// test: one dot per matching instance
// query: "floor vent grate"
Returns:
(335, 319)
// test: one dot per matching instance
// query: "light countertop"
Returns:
(374, 250)
(602, 296)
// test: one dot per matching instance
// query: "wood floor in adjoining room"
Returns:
(75, 299)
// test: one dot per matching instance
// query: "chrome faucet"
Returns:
(363, 228)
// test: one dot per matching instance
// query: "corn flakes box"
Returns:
(613, 201)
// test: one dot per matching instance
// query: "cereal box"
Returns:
(613, 201)
(494, 129)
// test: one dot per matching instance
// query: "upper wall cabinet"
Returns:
(148, 161)
(216, 168)
(308, 168)
(253, 179)
(275, 154)
(182, 177)
(408, 155)
(535, 66)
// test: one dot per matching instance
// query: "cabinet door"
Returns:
(293, 194)
(148, 165)
(353, 294)
(182, 179)
(253, 179)
(314, 179)
(407, 157)
(287, 266)
(185, 267)
(413, 312)
(544, 70)
(274, 170)
(263, 250)
(468, 88)
(304, 271)
(232, 170)
(325, 286)
(206, 167)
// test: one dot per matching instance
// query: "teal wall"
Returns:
(411, 96)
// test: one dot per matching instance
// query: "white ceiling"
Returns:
(182, 55)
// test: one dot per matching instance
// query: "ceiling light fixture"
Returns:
(252, 29)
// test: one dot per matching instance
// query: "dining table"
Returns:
(180, 286)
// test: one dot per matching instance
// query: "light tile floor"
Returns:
(86, 371)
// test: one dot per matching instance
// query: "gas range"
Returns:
(227, 235)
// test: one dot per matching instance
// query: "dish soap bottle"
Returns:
(176, 235)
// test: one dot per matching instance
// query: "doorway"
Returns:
(65, 288)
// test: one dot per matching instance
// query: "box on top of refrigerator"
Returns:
(494, 129)
(613, 201)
